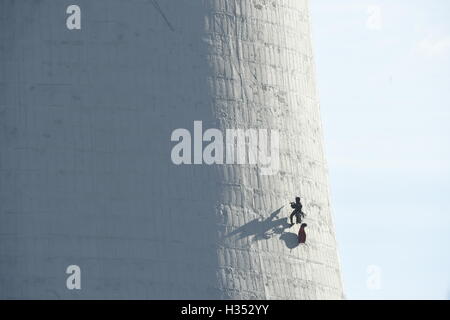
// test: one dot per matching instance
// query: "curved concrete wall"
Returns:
(86, 176)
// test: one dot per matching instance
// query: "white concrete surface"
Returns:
(85, 171)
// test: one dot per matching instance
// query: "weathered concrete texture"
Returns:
(263, 77)
(85, 171)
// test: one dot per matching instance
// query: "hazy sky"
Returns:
(383, 75)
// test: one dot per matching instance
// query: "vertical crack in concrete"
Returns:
(158, 8)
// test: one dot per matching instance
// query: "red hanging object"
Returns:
(302, 233)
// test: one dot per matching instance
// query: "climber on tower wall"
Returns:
(298, 213)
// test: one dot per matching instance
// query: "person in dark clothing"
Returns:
(298, 213)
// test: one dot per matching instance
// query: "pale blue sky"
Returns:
(383, 75)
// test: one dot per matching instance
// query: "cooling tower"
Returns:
(87, 176)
